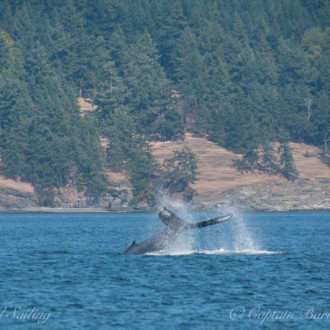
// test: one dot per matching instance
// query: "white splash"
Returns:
(235, 238)
(243, 239)
(185, 242)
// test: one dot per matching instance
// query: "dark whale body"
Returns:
(175, 226)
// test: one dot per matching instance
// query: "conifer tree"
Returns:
(288, 168)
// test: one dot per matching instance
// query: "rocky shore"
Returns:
(219, 185)
(300, 195)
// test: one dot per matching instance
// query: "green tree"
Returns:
(150, 98)
(113, 95)
(180, 170)
(88, 157)
(321, 119)
(120, 130)
(172, 22)
(288, 168)
(11, 56)
(143, 172)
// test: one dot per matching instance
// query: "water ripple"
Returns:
(72, 267)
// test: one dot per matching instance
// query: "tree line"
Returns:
(244, 74)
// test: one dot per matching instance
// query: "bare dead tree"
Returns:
(308, 103)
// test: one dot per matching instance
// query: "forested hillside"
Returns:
(242, 73)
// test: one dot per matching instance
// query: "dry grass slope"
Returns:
(218, 176)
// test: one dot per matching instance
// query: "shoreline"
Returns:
(61, 210)
(50, 210)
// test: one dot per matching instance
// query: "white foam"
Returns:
(215, 252)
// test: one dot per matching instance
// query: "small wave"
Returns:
(215, 252)
(51, 252)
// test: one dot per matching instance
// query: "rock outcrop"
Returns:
(302, 195)
(16, 195)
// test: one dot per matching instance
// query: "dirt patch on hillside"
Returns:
(308, 162)
(16, 185)
(119, 179)
(86, 105)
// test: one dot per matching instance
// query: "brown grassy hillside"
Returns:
(217, 173)
(220, 181)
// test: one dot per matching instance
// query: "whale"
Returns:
(174, 227)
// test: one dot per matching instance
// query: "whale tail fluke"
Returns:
(210, 222)
(171, 220)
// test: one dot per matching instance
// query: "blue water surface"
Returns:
(258, 270)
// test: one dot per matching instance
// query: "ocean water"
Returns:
(258, 270)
